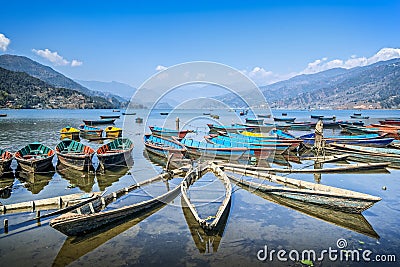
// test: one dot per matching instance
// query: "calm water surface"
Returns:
(169, 236)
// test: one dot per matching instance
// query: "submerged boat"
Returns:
(313, 193)
(162, 146)
(35, 157)
(92, 218)
(5, 162)
(75, 155)
(115, 153)
(113, 132)
(69, 133)
(89, 130)
(164, 132)
(191, 177)
(109, 117)
(99, 122)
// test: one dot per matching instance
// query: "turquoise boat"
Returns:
(163, 147)
(35, 157)
(117, 153)
(75, 155)
(198, 149)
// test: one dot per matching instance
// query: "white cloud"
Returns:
(263, 77)
(160, 68)
(4, 42)
(55, 58)
(354, 61)
(76, 63)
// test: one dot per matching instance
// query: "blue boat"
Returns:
(367, 139)
(163, 147)
(214, 128)
(257, 149)
(198, 149)
(89, 130)
(164, 132)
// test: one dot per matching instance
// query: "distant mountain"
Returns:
(372, 86)
(48, 75)
(20, 90)
(122, 90)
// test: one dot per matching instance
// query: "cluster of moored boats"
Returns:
(234, 143)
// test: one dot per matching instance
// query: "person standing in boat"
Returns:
(319, 143)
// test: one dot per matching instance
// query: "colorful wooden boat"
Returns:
(115, 153)
(260, 141)
(35, 157)
(75, 155)
(109, 117)
(99, 122)
(254, 121)
(5, 162)
(113, 132)
(91, 131)
(69, 133)
(164, 132)
(92, 217)
(214, 128)
(284, 119)
(191, 177)
(258, 149)
(313, 193)
(203, 149)
(390, 122)
(367, 139)
(162, 146)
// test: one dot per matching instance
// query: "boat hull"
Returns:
(99, 122)
(80, 162)
(5, 166)
(36, 165)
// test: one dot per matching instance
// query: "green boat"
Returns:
(115, 153)
(75, 155)
(35, 157)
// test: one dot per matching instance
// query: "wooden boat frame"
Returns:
(77, 160)
(191, 177)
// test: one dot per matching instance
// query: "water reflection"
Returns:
(111, 176)
(35, 182)
(351, 221)
(6, 183)
(81, 179)
(206, 241)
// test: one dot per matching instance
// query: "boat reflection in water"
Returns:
(76, 247)
(206, 241)
(111, 176)
(6, 183)
(353, 221)
(35, 182)
(82, 179)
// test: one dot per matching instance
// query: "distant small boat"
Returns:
(284, 119)
(5, 161)
(75, 155)
(98, 122)
(139, 120)
(316, 116)
(284, 114)
(264, 115)
(255, 121)
(88, 130)
(69, 133)
(359, 117)
(116, 110)
(3, 115)
(164, 132)
(35, 157)
(115, 153)
(130, 113)
(214, 116)
(164, 113)
(206, 113)
(113, 132)
(109, 117)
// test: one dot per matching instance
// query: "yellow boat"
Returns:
(245, 133)
(113, 132)
(70, 133)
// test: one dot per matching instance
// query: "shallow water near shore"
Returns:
(169, 236)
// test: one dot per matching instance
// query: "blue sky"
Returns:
(268, 40)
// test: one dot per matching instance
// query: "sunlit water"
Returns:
(169, 236)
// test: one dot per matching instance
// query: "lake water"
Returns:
(169, 236)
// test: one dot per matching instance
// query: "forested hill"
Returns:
(20, 90)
